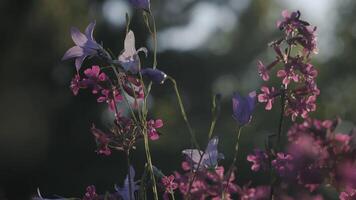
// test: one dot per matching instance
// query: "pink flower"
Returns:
(349, 194)
(262, 71)
(152, 126)
(95, 78)
(90, 193)
(102, 141)
(259, 160)
(169, 185)
(287, 75)
(111, 97)
(76, 84)
(267, 95)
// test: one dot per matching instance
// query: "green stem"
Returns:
(181, 107)
(234, 160)
(149, 161)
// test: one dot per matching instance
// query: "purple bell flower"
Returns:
(243, 107)
(141, 4)
(155, 75)
(85, 46)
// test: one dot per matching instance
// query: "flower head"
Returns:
(85, 46)
(152, 126)
(207, 159)
(259, 160)
(124, 191)
(102, 140)
(169, 185)
(267, 96)
(141, 4)
(243, 107)
(90, 193)
(155, 75)
(129, 58)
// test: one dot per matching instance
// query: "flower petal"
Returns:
(73, 52)
(79, 62)
(78, 38)
(89, 30)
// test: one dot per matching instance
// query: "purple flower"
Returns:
(124, 191)
(141, 4)
(207, 159)
(169, 185)
(155, 75)
(259, 160)
(152, 125)
(85, 46)
(129, 58)
(243, 107)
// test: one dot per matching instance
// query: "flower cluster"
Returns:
(298, 76)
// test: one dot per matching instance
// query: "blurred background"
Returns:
(209, 46)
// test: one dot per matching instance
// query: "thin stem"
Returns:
(172, 195)
(280, 125)
(234, 160)
(148, 157)
(181, 106)
(129, 173)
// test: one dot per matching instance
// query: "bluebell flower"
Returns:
(85, 46)
(141, 4)
(208, 159)
(124, 192)
(155, 75)
(243, 107)
(129, 58)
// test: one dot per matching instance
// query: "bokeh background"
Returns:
(209, 46)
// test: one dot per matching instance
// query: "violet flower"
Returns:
(85, 46)
(124, 191)
(207, 159)
(129, 58)
(141, 4)
(243, 107)
(155, 75)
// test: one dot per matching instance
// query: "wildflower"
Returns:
(124, 192)
(76, 84)
(207, 159)
(257, 193)
(259, 160)
(287, 74)
(152, 125)
(262, 71)
(90, 193)
(94, 78)
(243, 107)
(268, 96)
(129, 58)
(348, 194)
(169, 185)
(283, 164)
(155, 75)
(102, 140)
(85, 46)
(141, 4)
(111, 97)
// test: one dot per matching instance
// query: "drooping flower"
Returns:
(259, 160)
(129, 58)
(155, 75)
(152, 126)
(169, 185)
(102, 140)
(243, 107)
(85, 46)
(141, 4)
(124, 191)
(267, 96)
(208, 159)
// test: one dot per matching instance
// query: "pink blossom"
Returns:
(267, 96)
(262, 71)
(169, 185)
(152, 126)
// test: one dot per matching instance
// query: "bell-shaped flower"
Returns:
(141, 4)
(155, 75)
(129, 58)
(243, 107)
(124, 191)
(85, 46)
(207, 159)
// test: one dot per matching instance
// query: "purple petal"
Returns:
(79, 62)
(73, 52)
(78, 38)
(89, 30)
(251, 100)
(141, 4)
